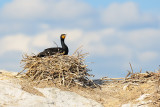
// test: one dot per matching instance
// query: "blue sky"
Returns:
(114, 32)
(144, 4)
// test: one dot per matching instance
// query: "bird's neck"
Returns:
(64, 46)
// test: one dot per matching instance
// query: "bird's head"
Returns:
(63, 36)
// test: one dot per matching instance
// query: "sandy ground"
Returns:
(112, 93)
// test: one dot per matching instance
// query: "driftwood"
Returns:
(106, 78)
(60, 69)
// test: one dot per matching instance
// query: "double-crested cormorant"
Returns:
(52, 51)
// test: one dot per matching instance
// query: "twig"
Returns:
(141, 70)
(112, 78)
(131, 67)
(55, 43)
(77, 50)
(129, 73)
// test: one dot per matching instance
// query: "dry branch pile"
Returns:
(143, 77)
(60, 69)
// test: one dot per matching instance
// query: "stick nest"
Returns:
(60, 69)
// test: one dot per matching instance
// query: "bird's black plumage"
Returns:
(51, 51)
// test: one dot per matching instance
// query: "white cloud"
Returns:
(22, 9)
(70, 9)
(37, 15)
(121, 50)
(143, 38)
(44, 9)
(148, 56)
(40, 40)
(118, 14)
(44, 26)
(17, 42)
(124, 14)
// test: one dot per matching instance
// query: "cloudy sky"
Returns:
(114, 32)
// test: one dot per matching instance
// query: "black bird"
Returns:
(51, 51)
